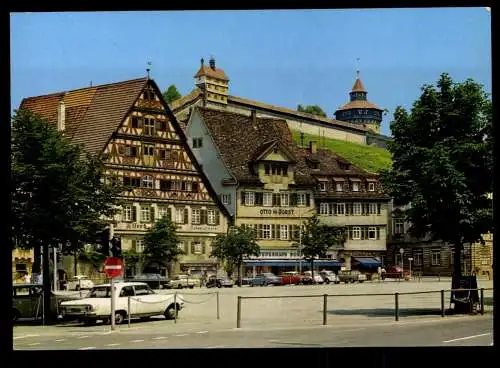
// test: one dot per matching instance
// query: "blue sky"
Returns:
(280, 57)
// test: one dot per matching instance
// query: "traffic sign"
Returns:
(113, 267)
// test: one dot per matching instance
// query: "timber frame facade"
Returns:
(147, 150)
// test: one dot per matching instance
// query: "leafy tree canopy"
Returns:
(171, 94)
(312, 109)
(442, 163)
(161, 242)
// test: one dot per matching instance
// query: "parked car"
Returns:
(182, 281)
(395, 272)
(290, 278)
(154, 280)
(222, 281)
(348, 276)
(329, 277)
(244, 281)
(27, 301)
(144, 302)
(307, 278)
(79, 282)
(265, 279)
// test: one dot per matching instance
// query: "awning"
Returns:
(292, 263)
(369, 262)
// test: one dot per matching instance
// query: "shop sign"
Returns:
(277, 211)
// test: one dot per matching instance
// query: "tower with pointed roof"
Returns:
(213, 82)
(359, 110)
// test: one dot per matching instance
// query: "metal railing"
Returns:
(396, 296)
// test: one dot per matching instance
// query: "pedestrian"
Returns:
(26, 278)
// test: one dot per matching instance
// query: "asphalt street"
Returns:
(450, 331)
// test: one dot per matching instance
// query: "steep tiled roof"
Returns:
(238, 138)
(359, 104)
(329, 164)
(207, 70)
(358, 86)
(195, 93)
(93, 113)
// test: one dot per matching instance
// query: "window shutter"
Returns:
(349, 232)
(347, 209)
(378, 208)
(169, 213)
(260, 231)
(308, 199)
(158, 124)
(186, 216)
(192, 248)
(296, 232)
(273, 231)
(134, 213)
(203, 217)
(203, 248)
(140, 122)
(134, 244)
(217, 217)
(378, 233)
(194, 187)
(258, 198)
(293, 199)
(152, 209)
(243, 198)
(334, 208)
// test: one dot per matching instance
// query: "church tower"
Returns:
(213, 82)
(359, 110)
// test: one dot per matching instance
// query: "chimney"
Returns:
(212, 63)
(61, 116)
(253, 115)
(312, 146)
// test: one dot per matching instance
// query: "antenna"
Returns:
(148, 69)
(357, 67)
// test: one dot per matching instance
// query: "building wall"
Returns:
(22, 262)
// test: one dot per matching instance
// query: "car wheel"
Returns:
(361, 281)
(252, 285)
(119, 317)
(170, 312)
(191, 286)
(77, 288)
(327, 281)
(219, 286)
(15, 314)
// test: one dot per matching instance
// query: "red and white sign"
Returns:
(113, 267)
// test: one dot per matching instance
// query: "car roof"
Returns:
(121, 283)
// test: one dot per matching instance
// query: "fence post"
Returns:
(175, 307)
(396, 306)
(442, 303)
(128, 310)
(482, 301)
(218, 315)
(238, 313)
(325, 301)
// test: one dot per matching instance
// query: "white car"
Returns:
(144, 303)
(329, 276)
(79, 282)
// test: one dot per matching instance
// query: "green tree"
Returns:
(442, 164)
(58, 194)
(171, 94)
(317, 239)
(312, 109)
(161, 243)
(233, 247)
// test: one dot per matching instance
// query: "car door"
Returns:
(125, 293)
(145, 299)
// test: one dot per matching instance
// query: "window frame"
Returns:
(284, 197)
(358, 206)
(211, 216)
(342, 206)
(266, 229)
(371, 186)
(249, 198)
(339, 186)
(301, 199)
(195, 216)
(284, 229)
(374, 230)
(143, 211)
(356, 229)
(355, 186)
(127, 212)
(267, 199)
(147, 181)
(435, 252)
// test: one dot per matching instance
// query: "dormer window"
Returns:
(371, 187)
(355, 186)
(339, 186)
(322, 187)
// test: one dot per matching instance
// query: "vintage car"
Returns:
(182, 281)
(290, 278)
(307, 278)
(329, 277)
(144, 303)
(265, 279)
(79, 282)
(27, 301)
(154, 280)
(395, 272)
(348, 276)
(219, 281)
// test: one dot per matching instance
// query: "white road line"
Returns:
(202, 332)
(159, 338)
(214, 347)
(83, 337)
(59, 340)
(24, 336)
(113, 344)
(468, 337)
(137, 340)
(180, 335)
(34, 343)
(87, 348)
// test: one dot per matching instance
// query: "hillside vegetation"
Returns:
(369, 158)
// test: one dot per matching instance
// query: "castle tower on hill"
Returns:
(359, 110)
(213, 82)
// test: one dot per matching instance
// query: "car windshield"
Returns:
(99, 292)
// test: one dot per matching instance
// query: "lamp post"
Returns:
(401, 251)
(410, 259)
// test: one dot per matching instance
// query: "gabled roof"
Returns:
(92, 114)
(191, 96)
(215, 73)
(265, 148)
(238, 138)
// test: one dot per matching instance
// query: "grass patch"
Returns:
(369, 158)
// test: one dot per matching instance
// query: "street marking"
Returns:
(202, 332)
(137, 340)
(468, 337)
(34, 343)
(83, 337)
(180, 335)
(59, 340)
(87, 348)
(113, 344)
(25, 336)
(215, 347)
(159, 338)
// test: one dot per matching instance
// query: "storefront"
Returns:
(198, 268)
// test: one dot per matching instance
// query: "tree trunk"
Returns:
(37, 256)
(240, 265)
(312, 270)
(75, 264)
(457, 266)
(47, 292)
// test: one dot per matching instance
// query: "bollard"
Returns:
(238, 313)
(442, 303)
(218, 315)
(396, 306)
(325, 301)
(482, 301)
(175, 307)
(128, 310)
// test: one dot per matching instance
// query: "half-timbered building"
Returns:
(148, 151)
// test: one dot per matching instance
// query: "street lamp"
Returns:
(401, 251)
(410, 259)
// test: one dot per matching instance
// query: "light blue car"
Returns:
(265, 279)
